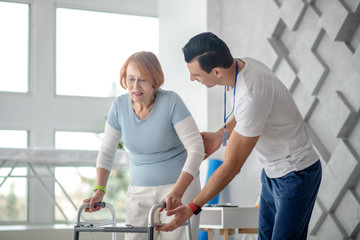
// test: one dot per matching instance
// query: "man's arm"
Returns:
(237, 151)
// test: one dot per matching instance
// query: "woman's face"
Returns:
(141, 90)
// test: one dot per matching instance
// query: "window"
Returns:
(14, 47)
(13, 180)
(79, 184)
(92, 46)
(75, 53)
(80, 181)
(13, 194)
(13, 138)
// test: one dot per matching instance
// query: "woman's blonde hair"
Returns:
(149, 67)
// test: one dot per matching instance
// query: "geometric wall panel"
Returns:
(343, 169)
(317, 43)
(309, 28)
(279, 47)
(356, 59)
(347, 214)
(354, 5)
(305, 102)
(317, 217)
(291, 12)
(356, 190)
(287, 74)
(330, 189)
(354, 141)
(322, 151)
(271, 22)
(340, 115)
(341, 112)
(338, 21)
(312, 73)
(351, 90)
(329, 230)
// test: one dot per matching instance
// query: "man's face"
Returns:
(197, 74)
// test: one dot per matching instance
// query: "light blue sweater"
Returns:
(156, 152)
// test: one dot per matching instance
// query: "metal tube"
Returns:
(188, 230)
(76, 234)
(161, 205)
(150, 233)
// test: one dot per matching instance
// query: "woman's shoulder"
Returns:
(120, 103)
(168, 94)
(122, 98)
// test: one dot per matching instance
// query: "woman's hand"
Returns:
(97, 197)
(212, 142)
(172, 201)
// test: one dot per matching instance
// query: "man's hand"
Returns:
(181, 214)
(212, 142)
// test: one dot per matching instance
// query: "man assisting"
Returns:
(265, 119)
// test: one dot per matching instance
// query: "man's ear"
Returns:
(217, 71)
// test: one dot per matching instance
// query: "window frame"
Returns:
(42, 39)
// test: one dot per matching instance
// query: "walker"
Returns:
(110, 225)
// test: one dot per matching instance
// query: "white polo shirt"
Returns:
(264, 107)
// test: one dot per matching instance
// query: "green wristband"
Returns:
(102, 188)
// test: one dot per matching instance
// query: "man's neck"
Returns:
(229, 73)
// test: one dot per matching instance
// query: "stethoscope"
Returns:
(226, 117)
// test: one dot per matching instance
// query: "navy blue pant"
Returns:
(286, 204)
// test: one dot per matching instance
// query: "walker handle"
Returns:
(86, 205)
(102, 204)
(160, 205)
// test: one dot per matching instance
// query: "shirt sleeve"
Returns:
(108, 147)
(113, 115)
(179, 109)
(189, 135)
(251, 114)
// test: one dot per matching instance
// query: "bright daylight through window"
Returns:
(13, 180)
(92, 46)
(14, 47)
(80, 180)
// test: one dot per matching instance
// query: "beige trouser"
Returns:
(139, 200)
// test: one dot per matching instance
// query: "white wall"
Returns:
(179, 21)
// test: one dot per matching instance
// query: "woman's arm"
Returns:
(102, 178)
(104, 164)
(190, 137)
(173, 199)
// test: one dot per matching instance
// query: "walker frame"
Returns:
(103, 226)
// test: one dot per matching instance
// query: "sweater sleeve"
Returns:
(191, 139)
(108, 148)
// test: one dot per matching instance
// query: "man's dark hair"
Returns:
(209, 50)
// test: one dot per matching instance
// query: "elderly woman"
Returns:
(164, 143)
